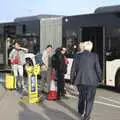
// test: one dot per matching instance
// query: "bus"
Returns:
(34, 32)
(103, 29)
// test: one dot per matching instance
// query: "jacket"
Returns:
(58, 62)
(46, 60)
(21, 55)
(86, 69)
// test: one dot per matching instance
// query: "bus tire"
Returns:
(117, 80)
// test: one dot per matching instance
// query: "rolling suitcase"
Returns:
(10, 81)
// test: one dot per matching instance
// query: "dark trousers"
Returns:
(43, 80)
(86, 99)
(60, 83)
(20, 82)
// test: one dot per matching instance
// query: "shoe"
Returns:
(25, 93)
(41, 97)
(82, 116)
(21, 97)
(17, 89)
(62, 94)
(64, 91)
(86, 118)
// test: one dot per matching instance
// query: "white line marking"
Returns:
(111, 100)
(71, 96)
(110, 105)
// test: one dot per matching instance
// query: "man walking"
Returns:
(86, 74)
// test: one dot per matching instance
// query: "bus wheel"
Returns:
(117, 81)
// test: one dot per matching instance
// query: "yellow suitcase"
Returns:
(10, 82)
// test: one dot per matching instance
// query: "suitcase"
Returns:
(10, 81)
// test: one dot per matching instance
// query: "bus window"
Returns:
(112, 43)
(31, 43)
(71, 43)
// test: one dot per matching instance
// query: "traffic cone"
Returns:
(52, 94)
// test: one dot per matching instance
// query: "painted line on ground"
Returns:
(111, 100)
(106, 104)
(71, 96)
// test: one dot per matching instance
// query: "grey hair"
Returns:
(88, 45)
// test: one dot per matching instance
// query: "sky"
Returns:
(10, 9)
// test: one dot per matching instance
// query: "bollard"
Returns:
(32, 72)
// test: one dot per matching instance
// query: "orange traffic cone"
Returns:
(52, 94)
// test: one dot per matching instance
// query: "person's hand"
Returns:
(101, 83)
(24, 49)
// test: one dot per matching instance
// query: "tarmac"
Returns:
(15, 108)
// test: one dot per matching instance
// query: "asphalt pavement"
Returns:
(106, 107)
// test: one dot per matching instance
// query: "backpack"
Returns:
(38, 58)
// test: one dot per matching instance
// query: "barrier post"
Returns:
(33, 71)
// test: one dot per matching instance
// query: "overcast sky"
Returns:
(11, 9)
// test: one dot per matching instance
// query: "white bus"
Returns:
(103, 29)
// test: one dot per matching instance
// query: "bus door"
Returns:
(95, 34)
(71, 39)
(9, 37)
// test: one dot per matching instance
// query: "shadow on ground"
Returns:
(113, 89)
(55, 114)
(68, 107)
(52, 114)
(28, 114)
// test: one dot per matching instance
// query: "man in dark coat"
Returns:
(86, 74)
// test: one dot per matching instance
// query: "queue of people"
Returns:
(85, 72)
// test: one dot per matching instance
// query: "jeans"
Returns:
(18, 73)
(43, 80)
